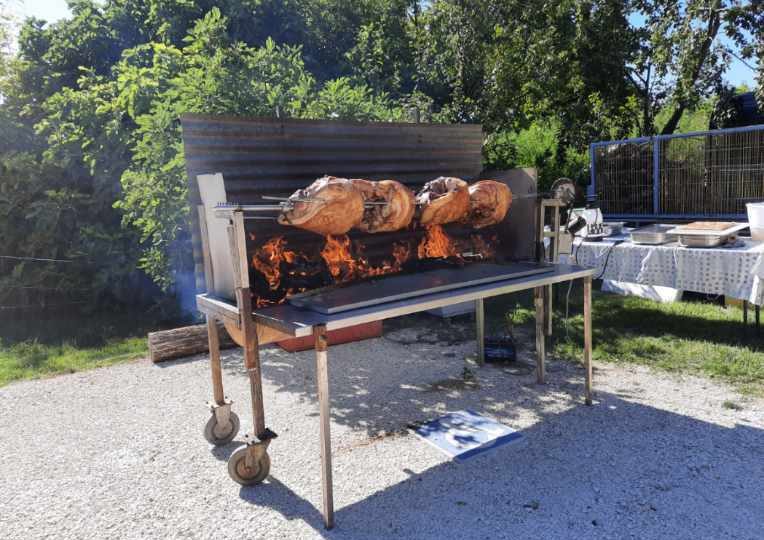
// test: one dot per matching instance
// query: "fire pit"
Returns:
(266, 281)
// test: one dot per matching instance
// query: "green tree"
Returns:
(681, 58)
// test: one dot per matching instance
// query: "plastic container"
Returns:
(756, 220)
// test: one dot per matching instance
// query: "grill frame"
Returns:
(252, 328)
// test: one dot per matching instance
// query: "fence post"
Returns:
(591, 192)
(657, 175)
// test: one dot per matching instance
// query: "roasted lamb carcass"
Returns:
(389, 205)
(443, 200)
(489, 202)
(329, 205)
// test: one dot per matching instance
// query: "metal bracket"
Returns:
(222, 411)
(257, 445)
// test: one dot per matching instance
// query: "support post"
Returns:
(322, 382)
(548, 293)
(538, 299)
(588, 339)
(480, 330)
(757, 314)
(217, 373)
(745, 312)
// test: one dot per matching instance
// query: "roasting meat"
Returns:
(489, 202)
(443, 200)
(391, 205)
(329, 205)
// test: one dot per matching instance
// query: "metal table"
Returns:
(296, 322)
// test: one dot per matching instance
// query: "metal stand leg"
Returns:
(588, 339)
(548, 310)
(480, 330)
(217, 373)
(745, 312)
(757, 314)
(223, 425)
(250, 465)
(538, 298)
(322, 381)
(252, 364)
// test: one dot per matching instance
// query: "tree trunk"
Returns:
(714, 23)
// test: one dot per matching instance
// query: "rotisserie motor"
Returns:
(330, 205)
(489, 202)
(389, 205)
(443, 200)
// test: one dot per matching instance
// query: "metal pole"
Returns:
(322, 381)
(538, 298)
(217, 373)
(656, 176)
(588, 339)
(480, 330)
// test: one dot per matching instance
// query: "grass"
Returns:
(687, 337)
(32, 359)
(45, 344)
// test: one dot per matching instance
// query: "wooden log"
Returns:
(185, 341)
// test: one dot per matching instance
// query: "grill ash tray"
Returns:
(402, 286)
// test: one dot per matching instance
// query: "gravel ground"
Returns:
(118, 452)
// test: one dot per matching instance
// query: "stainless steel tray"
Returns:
(705, 240)
(653, 234)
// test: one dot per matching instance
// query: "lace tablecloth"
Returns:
(732, 271)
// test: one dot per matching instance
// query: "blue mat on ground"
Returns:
(464, 434)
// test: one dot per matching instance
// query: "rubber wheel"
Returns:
(241, 474)
(220, 437)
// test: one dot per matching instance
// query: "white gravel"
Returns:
(118, 452)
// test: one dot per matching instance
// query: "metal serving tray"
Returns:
(399, 287)
(653, 234)
(702, 240)
(707, 238)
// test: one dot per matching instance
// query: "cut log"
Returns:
(185, 341)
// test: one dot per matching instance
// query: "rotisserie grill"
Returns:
(281, 254)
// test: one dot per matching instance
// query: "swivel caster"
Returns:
(222, 426)
(250, 465)
(248, 470)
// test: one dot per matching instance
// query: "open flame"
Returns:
(344, 266)
(267, 260)
(284, 272)
(436, 244)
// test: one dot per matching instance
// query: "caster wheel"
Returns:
(221, 435)
(246, 476)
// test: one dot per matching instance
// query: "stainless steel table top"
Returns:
(300, 322)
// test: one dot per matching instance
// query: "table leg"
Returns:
(588, 339)
(757, 314)
(548, 310)
(538, 299)
(480, 330)
(322, 381)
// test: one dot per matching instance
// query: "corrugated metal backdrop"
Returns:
(266, 156)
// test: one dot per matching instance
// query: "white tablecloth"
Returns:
(732, 271)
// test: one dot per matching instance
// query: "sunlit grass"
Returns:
(31, 359)
(687, 337)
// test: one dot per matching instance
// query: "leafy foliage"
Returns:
(91, 163)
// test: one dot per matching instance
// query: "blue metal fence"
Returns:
(703, 174)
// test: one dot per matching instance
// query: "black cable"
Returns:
(607, 258)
